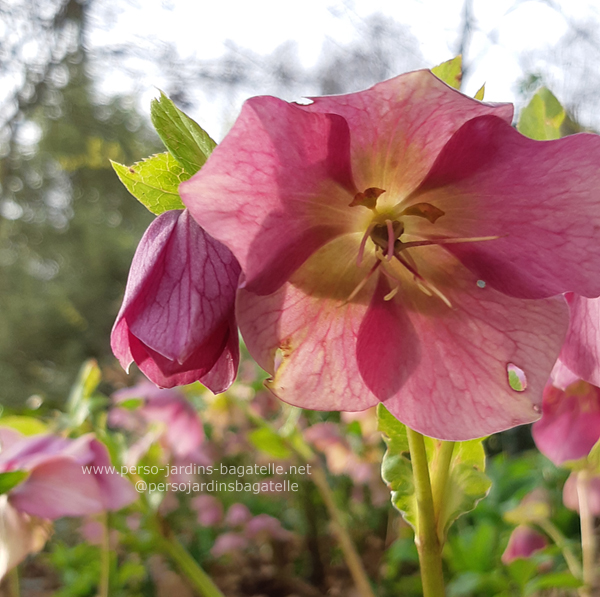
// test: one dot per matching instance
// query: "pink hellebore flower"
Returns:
(570, 423)
(183, 433)
(391, 243)
(177, 320)
(66, 477)
(523, 543)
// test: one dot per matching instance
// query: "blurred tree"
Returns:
(68, 228)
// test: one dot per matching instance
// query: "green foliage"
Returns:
(154, 182)
(467, 483)
(269, 442)
(23, 424)
(11, 479)
(186, 140)
(450, 72)
(543, 117)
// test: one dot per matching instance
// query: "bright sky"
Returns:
(505, 29)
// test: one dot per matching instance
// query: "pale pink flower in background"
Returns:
(228, 543)
(237, 515)
(209, 510)
(523, 543)
(264, 526)
(570, 423)
(177, 320)
(403, 245)
(56, 484)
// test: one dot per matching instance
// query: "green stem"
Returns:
(561, 542)
(439, 481)
(104, 558)
(188, 566)
(426, 536)
(588, 539)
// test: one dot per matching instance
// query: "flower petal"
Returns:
(581, 351)
(540, 198)
(276, 189)
(570, 425)
(181, 287)
(399, 126)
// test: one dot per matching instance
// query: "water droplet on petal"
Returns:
(537, 408)
(481, 283)
(517, 379)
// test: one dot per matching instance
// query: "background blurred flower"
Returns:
(56, 484)
(571, 495)
(523, 543)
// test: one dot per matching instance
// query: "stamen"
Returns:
(390, 295)
(424, 282)
(363, 242)
(444, 241)
(363, 282)
(391, 239)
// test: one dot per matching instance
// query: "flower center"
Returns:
(385, 231)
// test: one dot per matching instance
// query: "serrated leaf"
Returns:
(466, 484)
(154, 182)
(480, 93)
(450, 72)
(185, 139)
(23, 424)
(269, 442)
(543, 117)
(11, 479)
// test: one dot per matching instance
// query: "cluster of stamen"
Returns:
(385, 233)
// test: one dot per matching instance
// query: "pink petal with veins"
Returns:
(581, 351)
(287, 181)
(177, 319)
(540, 198)
(399, 126)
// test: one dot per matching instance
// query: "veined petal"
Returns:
(581, 351)
(276, 189)
(399, 126)
(310, 324)
(181, 286)
(459, 389)
(539, 197)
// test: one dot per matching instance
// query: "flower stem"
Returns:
(14, 582)
(588, 539)
(187, 565)
(426, 536)
(561, 542)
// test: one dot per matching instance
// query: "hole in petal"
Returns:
(517, 379)
(481, 283)
(303, 101)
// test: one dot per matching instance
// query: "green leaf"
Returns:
(450, 72)
(543, 117)
(187, 141)
(11, 479)
(466, 483)
(79, 404)
(154, 182)
(269, 442)
(554, 580)
(24, 425)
